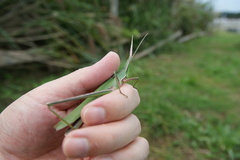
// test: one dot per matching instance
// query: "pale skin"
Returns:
(110, 129)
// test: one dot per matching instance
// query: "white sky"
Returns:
(224, 5)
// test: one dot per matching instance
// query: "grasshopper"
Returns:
(73, 119)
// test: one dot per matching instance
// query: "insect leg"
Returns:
(119, 84)
(87, 95)
(131, 79)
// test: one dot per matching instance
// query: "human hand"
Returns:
(110, 130)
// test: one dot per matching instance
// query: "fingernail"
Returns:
(76, 147)
(94, 115)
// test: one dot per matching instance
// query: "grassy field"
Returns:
(190, 98)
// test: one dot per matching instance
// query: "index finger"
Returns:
(78, 82)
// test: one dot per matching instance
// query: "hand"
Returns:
(110, 129)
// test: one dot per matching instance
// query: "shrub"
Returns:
(82, 31)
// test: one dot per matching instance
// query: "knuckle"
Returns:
(136, 94)
(133, 92)
(137, 125)
(144, 147)
(144, 142)
(138, 98)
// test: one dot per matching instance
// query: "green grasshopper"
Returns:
(73, 120)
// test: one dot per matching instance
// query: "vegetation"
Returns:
(189, 98)
(80, 32)
(230, 15)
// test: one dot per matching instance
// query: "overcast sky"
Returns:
(224, 5)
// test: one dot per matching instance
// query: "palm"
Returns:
(34, 136)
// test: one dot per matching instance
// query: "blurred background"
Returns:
(188, 65)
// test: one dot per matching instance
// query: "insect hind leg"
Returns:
(61, 118)
(132, 79)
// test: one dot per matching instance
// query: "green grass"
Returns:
(19, 79)
(190, 98)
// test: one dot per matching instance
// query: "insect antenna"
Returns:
(139, 44)
(131, 54)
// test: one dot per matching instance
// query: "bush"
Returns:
(191, 16)
(82, 31)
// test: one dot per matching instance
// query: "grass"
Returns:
(19, 79)
(189, 98)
